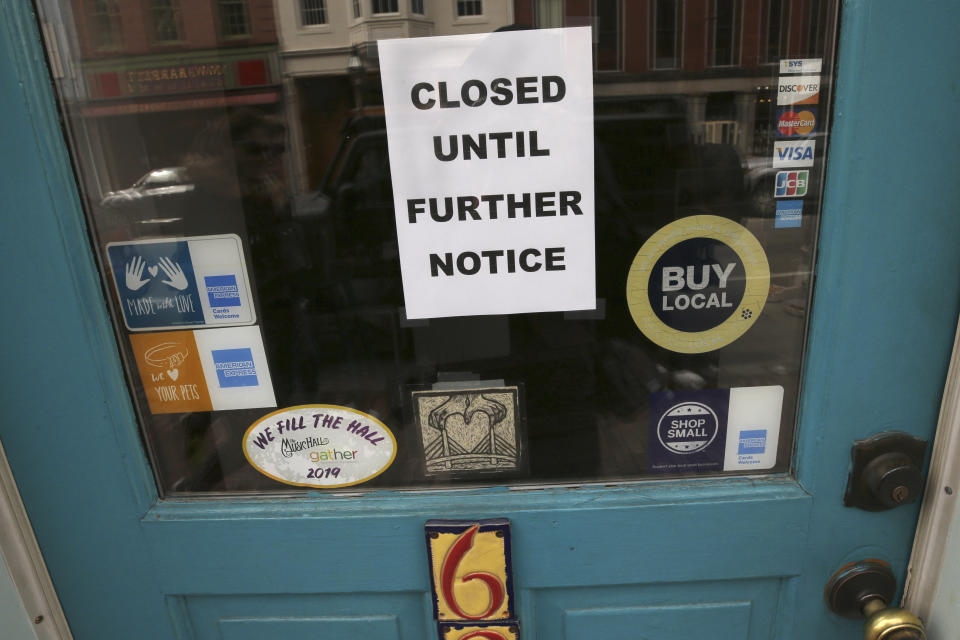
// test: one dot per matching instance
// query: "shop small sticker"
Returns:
(319, 445)
(688, 427)
(698, 284)
(713, 430)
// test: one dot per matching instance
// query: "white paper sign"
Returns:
(491, 153)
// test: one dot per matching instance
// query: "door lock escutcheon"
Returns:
(864, 590)
(886, 471)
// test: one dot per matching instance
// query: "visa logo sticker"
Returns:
(791, 184)
(789, 214)
(801, 65)
(793, 154)
(799, 90)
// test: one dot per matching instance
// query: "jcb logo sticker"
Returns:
(698, 284)
(799, 90)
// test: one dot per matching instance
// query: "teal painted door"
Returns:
(732, 558)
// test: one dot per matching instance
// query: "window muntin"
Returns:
(416, 6)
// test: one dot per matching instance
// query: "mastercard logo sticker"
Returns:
(793, 123)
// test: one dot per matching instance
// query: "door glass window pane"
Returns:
(278, 167)
(549, 14)
(166, 20)
(469, 7)
(233, 18)
(385, 6)
(726, 33)
(313, 12)
(777, 13)
(106, 30)
(607, 37)
(667, 33)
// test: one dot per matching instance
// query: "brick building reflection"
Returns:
(720, 55)
(156, 73)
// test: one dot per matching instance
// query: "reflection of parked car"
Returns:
(156, 183)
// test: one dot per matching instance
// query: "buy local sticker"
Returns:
(319, 445)
(203, 370)
(698, 284)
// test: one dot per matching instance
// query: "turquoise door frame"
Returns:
(745, 556)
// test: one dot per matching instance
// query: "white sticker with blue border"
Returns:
(714, 430)
(801, 65)
(170, 283)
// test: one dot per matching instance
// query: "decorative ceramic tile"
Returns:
(472, 430)
(471, 572)
(478, 631)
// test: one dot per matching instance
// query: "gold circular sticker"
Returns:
(698, 284)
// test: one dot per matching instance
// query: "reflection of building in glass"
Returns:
(711, 52)
(328, 48)
(158, 72)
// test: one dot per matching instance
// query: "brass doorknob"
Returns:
(864, 589)
(889, 623)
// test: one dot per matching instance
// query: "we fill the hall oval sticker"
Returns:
(319, 445)
(698, 284)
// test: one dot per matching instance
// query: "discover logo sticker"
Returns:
(799, 90)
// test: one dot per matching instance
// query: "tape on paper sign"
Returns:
(714, 430)
(698, 284)
(319, 445)
(492, 171)
(203, 370)
(182, 282)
